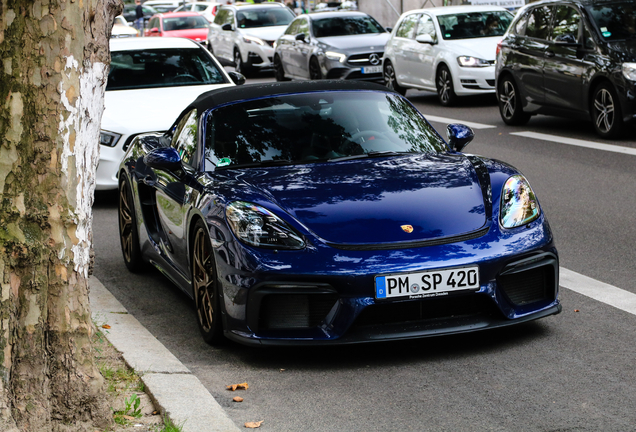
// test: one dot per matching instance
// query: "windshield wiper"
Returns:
(371, 154)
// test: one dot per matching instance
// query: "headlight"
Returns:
(466, 61)
(332, 55)
(519, 206)
(258, 226)
(108, 138)
(248, 39)
(629, 71)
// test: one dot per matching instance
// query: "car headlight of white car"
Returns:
(253, 39)
(108, 138)
(257, 226)
(332, 55)
(519, 205)
(629, 71)
(467, 61)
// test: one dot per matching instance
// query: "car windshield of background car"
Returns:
(474, 24)
(315, 127)
(616, 21)
(345, 26)
(266, 17)
(162, 68)
(184, 23)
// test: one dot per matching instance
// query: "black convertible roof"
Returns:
(226, 95)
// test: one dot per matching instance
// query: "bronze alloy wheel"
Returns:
(204, 285)
(128, 236)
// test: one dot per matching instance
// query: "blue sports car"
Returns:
(331, 212)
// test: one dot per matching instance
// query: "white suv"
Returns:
(244, 35)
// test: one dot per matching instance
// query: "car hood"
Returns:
(624, 51)
(195, 34)
(148, 110)
(368, 201)
(265, 33)
(357, 43)
(483, 47)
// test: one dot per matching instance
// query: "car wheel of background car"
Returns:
(279, 72)
(510, 103)
(390, 80)
(239, 64)
(314, 69)
(128, 235)
(606, 111)
(205, 286)
(445, 90)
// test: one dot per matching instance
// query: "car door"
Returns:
(422, 69)
(564, 65)
(531, 51)
(302, 48)
(285, 46)
(405, 49)
(174, 192)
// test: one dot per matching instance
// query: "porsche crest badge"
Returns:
(407, 228)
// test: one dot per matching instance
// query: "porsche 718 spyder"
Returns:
(331, 212)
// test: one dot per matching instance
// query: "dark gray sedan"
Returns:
(332, 45)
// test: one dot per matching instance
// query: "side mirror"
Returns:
(567, 39)
(164, 158)
(300, 37)
(389, 29)
(227, 27)
(237, 78)
(459, 136)
(153, 30)
(425, 39)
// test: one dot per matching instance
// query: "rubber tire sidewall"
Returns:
(452, 97)
(136, 263)
(395, 87)
(519, 117)
(618, 127)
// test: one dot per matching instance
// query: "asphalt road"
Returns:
(570, 372)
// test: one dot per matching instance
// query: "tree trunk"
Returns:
(53, 66)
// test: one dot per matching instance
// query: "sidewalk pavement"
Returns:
(172, 387)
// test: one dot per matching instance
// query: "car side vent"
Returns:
(294, 311)
(529, 286)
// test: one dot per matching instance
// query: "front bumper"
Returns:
(470, 81)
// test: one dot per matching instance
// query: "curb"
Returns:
(176, 392)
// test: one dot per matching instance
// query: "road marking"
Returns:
(576, 142)
(597, 290)
(448, 121)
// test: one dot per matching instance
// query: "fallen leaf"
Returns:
(238, 399)
(155, 412)
(242, 386)
(130, 418)
(106, 326)
(282, 370)
(576, 310)
(254, 425)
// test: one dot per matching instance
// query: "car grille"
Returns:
(529, 286)
(294, 311)
(359, 60)
(425, 310)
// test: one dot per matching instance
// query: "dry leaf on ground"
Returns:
(238, 399)
(233, 387)
(106, 326)
(254, 425)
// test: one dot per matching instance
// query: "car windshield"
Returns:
(615, 21)
(315, 127)
(345, 26)
(474, 24)
(265, 17)
(184, 23)
(137, 69)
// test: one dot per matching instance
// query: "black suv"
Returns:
(572, 59)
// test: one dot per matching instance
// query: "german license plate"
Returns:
(372, 69)
(426, 284)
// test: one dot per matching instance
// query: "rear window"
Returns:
(137, 69)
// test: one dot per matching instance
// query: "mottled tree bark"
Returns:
(53, 66)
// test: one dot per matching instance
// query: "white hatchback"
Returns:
(450, 50)
(151, 80)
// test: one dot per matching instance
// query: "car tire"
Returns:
(314, 69)
(606, 111)
(509, 100)
(128, 231)
(239, 65)
(205, 286)
(279, 71)
(445, 89)
(390, 80)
